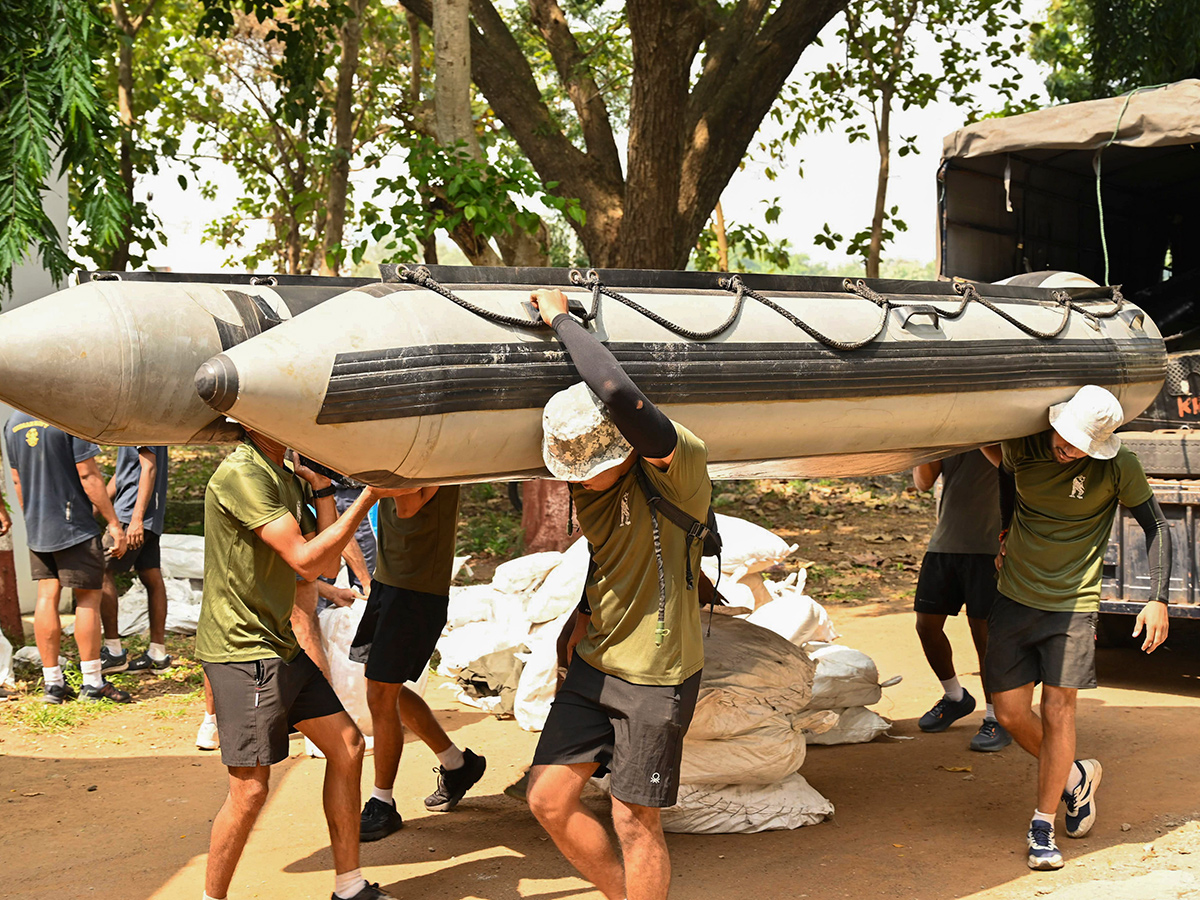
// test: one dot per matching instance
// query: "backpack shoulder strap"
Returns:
(704, 532)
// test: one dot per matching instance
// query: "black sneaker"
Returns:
(147, 663)
(106, 691)
(369, 892)
(453, 784)
(519, 789)
(57, 694)
(945, 713)
(991, 737)
(378, 820)
(111, 662)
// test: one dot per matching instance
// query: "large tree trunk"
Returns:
(545, 506)
(119, 259)
(883, 143)
(343, 138)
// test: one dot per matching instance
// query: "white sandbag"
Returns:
(737, 596)
(525, 573)
(539, 677)
(474, 603)
(30, 656)
(749, 547)
(757, 584)
(794, 582)
(746, 808)
(750, 675)
(475, 640)
(767, 754)
(460, 567)
(856, 725)
(6, 660)
(797, 618)
(182, 555)
(845, 677)
(562, 588)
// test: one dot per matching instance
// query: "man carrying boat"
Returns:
(259, 534)
(405, 616)
(634, 677)
(1059, 491)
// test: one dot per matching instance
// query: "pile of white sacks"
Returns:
(773, 680)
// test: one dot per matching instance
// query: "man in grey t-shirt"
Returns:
(57, 482)
(959, 569)
(138, 490)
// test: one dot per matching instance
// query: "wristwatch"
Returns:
(325, 492)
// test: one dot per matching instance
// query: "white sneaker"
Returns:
(207, 737)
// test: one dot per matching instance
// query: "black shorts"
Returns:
(633, 730)
(398, 633)
(80, 566)
(1027, 645)
(146, 557)
(258, 703)
(948, 581)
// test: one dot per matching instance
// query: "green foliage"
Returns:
(1099, 48)
(750, 248)
(54, 122)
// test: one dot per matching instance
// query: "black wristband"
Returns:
(325, 492)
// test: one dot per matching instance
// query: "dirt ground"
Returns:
(122, 804)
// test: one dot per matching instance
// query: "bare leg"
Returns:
(979, 634)
(87, 624)
(931, 629)
(108, 608)
(208, 700)
(1058, 744)
(647, 864)
(304, 623)
(247, 793)
(1014, 710)
(382, 699)
(342, 743)
(554, 793)
(416, 714)
(156, 602)
(47, 627)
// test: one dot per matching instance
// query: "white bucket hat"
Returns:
(579, 438)
(1087, 421)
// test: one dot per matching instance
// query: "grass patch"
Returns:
(488, 525)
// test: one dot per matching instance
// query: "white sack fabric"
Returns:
(746, 808)
(747, 548)
(6, 660)
(845, 678)
(182, 555)
(766, 754)
(857, 725)
(796, 617)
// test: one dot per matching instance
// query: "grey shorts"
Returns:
(258, 703)
(1027, 646)
(633, 730)
(80, 566)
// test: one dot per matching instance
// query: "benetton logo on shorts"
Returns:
(1077, 487)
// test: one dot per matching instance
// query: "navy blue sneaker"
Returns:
(1081, 802)
(946, 712)
(991, 737)
(1043, 852)
(112, 662)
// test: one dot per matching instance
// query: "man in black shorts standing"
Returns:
(259, 534)
(138, 490)
(959, 569)
(1059, 491)
(57, 481)
(634, 676)
(405, 615)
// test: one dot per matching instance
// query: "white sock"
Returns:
(952, 688)
(158, 651)
(113, 645)
(990, 713)
(348, 884)
(210, 718)
(53, 675)
(1039, 816)
(451, 758)
(378, 793)
(91, 673)
(207, 897)
(1074, 779)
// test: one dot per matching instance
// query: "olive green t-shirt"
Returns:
(417, 554)
(249, 590)
(1061, 523)
(623, 590)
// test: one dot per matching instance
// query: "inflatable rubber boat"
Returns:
(439, 376)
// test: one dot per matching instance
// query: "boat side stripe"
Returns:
(417, 381)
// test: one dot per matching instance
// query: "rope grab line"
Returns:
(421, 276)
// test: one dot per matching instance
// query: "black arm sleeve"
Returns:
(641, 422)
(1008, 497)
(1158, 546)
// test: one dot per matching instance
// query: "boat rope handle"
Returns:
(421, 276)
(593, 283)
(734, 283)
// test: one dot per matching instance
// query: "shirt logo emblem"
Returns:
(624, 510)
(1077, 487)
(655, 778)
(31, 437)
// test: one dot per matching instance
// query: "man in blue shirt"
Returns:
(138, 490)
(57, 482)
